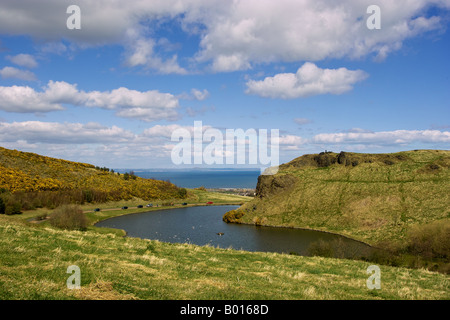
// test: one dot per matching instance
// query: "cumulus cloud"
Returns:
(195, 94)
(92, 141)
(14, 73)
(165, 131)
(25, 99)
(232, 35)
(309, 80)
(23, 60)
(397, 137)
(262, 31)
(141, 52)
(200, 95)
(291, 142)
(147, 106)
(89, 141)
(62, 133)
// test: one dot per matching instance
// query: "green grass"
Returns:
(201, 196)
(369, 201)
(34, 260)
(379, 198)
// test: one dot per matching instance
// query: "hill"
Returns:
(369, 197)
(35, 180)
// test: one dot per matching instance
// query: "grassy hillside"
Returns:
(34, 260)
(34, 257)
(39, 179)
(370, 197)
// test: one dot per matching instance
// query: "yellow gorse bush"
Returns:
(29, 172)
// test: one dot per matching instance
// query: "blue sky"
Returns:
(112, 92)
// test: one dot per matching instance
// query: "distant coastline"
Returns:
(212, 178)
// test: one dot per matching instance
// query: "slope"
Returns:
(369, 197)
(29, 173)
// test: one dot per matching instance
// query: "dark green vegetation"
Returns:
(399, 202)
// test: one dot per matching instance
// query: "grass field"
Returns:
(34, 260)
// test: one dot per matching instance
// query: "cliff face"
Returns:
(368, 196)
(273, 184)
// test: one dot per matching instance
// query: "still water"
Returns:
(204, 226)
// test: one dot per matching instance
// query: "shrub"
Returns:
(14, 208)
(69, 217)
(430, 241)
(386, 253)
(233, 216)
(182, 192)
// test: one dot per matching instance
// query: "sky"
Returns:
(109, 82)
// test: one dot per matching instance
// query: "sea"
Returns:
(195, 178)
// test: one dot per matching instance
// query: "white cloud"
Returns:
(233, 62)
(165, 131)
(14, 73)
(124, 97)
(23, 60)
(148, 114)
(93, 142)
(290, 139)
(114, 145)
(200, 95)
(25, 99)
(397, 137)
(53, 47)
(141, 52)
(195, 94)
(61, 92)
(309, 80)
(62, 133)
(147, 106)
(261, 31)
(291, 142)
(234, 35)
